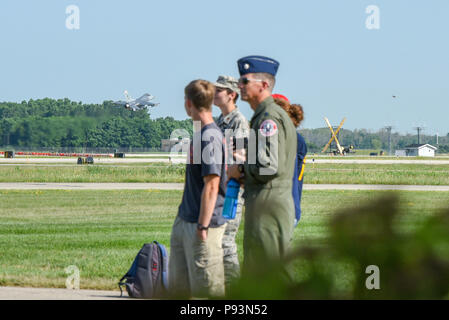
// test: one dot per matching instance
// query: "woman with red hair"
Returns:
(296, 113)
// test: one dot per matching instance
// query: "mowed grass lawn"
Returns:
(155, 172)
(100, 232)
(391, 174)
(403, 174)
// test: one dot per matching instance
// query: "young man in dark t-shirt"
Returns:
(196, 254)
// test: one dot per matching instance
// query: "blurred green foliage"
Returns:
(413, 265)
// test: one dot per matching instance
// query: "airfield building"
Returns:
(417, 150)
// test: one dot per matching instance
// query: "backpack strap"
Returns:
(164, 264)
(122, 283)
(131, 273)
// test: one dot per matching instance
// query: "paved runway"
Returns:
(180, 186)
(17, 293)
(89, 186)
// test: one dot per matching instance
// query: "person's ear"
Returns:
(188, 106)
(265, 85)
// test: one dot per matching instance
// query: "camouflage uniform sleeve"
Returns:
(238, 129)
(239, 126)
(242, 127)
(262, 157)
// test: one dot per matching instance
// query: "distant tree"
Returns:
(443, 148)
(376, 143)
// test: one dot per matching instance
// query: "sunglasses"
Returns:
(245, 81)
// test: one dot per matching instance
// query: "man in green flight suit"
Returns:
(268, 169)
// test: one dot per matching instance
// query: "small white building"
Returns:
(417, 150)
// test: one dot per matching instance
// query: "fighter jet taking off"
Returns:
(137, 104)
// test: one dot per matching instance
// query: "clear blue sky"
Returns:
(329, 61)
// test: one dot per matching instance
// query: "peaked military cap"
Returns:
(257, 64)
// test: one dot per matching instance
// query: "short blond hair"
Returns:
(201, 93)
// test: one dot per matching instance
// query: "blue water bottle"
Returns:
(231, 199)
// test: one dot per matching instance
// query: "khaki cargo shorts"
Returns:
(196, 266)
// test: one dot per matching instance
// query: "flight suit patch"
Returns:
(268, 128)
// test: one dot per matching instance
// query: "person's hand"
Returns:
(202, 234)
(239, 156)
(233, 172)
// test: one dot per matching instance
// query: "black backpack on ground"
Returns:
(148, 276)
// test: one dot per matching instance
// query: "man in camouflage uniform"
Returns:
(268, 169)
(233, 124)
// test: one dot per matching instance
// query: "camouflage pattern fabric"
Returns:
(237, 122)
(230, 255)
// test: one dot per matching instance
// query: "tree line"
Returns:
(62, 123)
(363, 139)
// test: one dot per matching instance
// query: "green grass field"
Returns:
(155, 172)
(410, 174)
(100, 232)
(403, 174)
